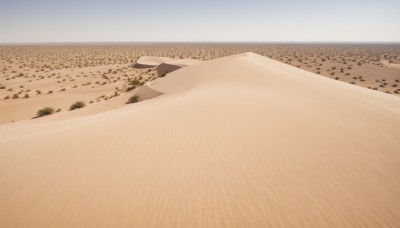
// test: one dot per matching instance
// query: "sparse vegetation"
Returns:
(135, 82)
(77, 105)
(133, 99)
(45, 111)
(39, 71)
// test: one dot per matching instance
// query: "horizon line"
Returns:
(201, 42)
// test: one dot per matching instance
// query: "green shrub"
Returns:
(45, 111)
(76, 105)
(133, 99)
(135, 82)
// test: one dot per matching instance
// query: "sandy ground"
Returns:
(33, 77)
(240, 141)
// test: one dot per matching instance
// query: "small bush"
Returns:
(45, 111)
(76, 105)
(133, 99)
(135, 82)
(130, 88)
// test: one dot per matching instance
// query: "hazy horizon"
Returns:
(175, 21)
(202, 42)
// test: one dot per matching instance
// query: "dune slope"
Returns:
(241, 141)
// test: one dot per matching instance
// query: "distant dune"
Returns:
(240, 141)
(150, 61)
(163, 65)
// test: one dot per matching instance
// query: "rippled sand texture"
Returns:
(240, 141)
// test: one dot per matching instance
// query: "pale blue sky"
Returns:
(207, 20)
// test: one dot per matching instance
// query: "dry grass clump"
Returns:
(76, 105)
(45, 111)
(133, 99)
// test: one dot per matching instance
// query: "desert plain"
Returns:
(200, 135)
(37, 76)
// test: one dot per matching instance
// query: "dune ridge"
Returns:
(163, 65)
(240, 141)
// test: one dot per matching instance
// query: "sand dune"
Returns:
(387, 63)
(153, 61)
(150, 61)
(173, 65)
(145, 92)
(240, 141)
(164, 65)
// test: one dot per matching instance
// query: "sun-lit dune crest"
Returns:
(164, 65)
(240, 141)
(150, 61)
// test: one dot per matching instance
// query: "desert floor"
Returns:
(244, 135)
(33, 77)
